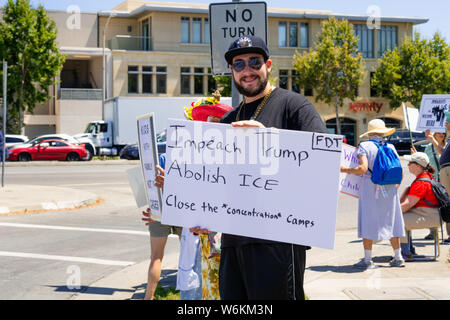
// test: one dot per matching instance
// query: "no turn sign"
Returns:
(229, 21)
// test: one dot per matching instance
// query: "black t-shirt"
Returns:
(283, 110)
(445, 156)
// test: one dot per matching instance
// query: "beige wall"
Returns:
(73, 115)
(75, 29)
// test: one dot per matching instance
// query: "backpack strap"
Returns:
(435, 158)
(378, 146)
(426, 201)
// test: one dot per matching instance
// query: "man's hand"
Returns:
(247, 123)
(159, 181)
(147, 219)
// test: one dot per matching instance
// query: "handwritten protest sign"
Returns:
(149, 159)
(259, 182)
(431, 114)
(349, 183)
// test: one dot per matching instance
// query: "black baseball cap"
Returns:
(247, 44)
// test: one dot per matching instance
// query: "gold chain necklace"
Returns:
(258, 110)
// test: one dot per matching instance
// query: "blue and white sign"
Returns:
(432, 112)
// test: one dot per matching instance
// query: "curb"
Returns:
(51, 206)
(69, 163)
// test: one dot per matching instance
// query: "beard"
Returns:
(252, 92)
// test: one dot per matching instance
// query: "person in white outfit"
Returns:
(379, 212)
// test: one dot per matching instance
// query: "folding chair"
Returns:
(437, 251)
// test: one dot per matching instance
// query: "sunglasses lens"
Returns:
(255, 63)
(239, 65)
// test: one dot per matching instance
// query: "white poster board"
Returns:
(411, 116)
(148, 155)
(264, 183)
(228, 22)
(349, 184)
(431, 114)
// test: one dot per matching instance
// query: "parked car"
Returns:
(15, 139)
(161, 141)
(50, 149)
(60, 136)
(402, 141)
(131, 151)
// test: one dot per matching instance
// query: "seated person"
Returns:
(418, 202)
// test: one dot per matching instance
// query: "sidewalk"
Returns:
(19, 199)
(329, 274)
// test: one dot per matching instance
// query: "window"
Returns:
(145, 35)
(60, 144)
(206, 32)
(284, 79)
(161, 79)
(309, 92)
(147, 83)
(212, 84)
(133, 79)
(304, 35)
(288, 80)
(185, 80)
(198, 80)
(365, 43)
(185, 30)
(200, 30)
(295, 86)
(293, 34)
(387, 39)
(376, 91)
(282, 34)
(197, 30)
(290, 37)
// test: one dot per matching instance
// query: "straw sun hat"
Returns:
(378, 126)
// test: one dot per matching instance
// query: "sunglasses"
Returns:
(254, 63)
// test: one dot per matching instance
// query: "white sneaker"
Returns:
(364, 265)
(397, 263)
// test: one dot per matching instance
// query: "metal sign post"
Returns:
(228, 22)
(5, 81)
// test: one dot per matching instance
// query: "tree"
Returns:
(223, 85)
(333, 67)
(415, 68)
(28, 44)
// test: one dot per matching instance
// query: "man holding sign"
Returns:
(252, 268)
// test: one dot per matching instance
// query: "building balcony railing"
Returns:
(124, 42)
(79, 94)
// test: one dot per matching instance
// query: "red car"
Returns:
(53, 149)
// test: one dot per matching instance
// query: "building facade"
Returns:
(162, 49)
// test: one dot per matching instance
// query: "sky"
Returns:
(437, 11)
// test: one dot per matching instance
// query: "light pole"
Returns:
(235, 95)
(103, 66)
(5, 81)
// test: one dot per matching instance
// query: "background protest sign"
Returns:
(431, 114)
(411, 116)
(258, 182)
(349, 183)
(149, 159)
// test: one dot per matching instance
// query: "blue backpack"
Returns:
(387, 168)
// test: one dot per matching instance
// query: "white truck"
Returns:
(119, 127)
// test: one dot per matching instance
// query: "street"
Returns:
(54, 255)
(43, 255)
